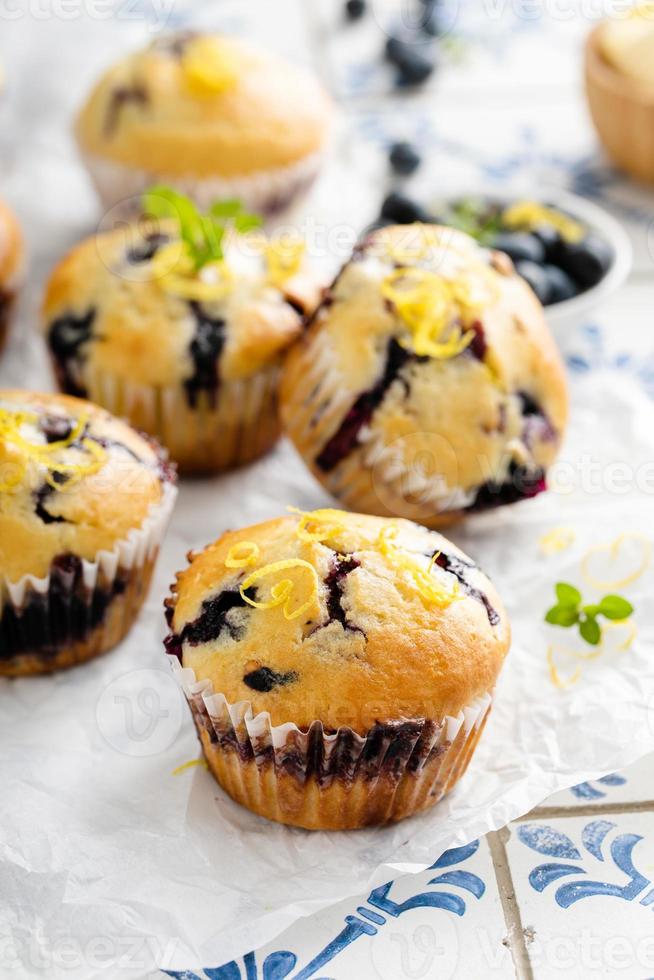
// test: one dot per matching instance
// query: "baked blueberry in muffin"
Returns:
(11, 266)
(210, 115)
(427, 385)
(179, 323)
(84, 502)
(339, 667)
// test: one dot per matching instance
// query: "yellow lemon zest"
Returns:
(429, 587)
(236, 560)
(284, 259)
(178, 770)
(176, 274)
(617, 624)
(209, 67)
(555, 677)
(318, 525)
(281, 592)
(613, 549)
(47, 455)
(531, 214)
(430, 306)
(556, 540)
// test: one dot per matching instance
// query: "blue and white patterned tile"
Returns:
(446, 922)
(633, 785)
(585, 890)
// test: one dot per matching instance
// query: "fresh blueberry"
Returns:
(520, 246)
(396, 50)
(402, 209)
(586, 261)
(537, 278)
(414, 70)
(404, 158)
(562, 287)
(550, 239)
(355, 9)
(432, 23)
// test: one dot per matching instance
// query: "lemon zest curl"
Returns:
(429, 587)
(281, 592)
(236, 560)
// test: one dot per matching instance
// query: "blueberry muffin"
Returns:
(191, 357)
(339, 667)
(212, 116)
(84, 502)
(11, 266)
(427, 385)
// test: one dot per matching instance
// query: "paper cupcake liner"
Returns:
(229, 427)
(80, 608)
(330, 781)
(373, 478)
(267, 192)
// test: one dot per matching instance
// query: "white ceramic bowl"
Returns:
(566, 316)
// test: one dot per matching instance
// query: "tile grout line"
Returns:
(590, 810)
(516, 939)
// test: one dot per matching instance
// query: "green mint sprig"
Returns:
(202, 233)
(569, 611)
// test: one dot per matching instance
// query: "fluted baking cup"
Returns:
(267, 192)
(330, 781)
(231, 426)
(80, 608)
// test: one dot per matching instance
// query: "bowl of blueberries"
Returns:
(570, 251)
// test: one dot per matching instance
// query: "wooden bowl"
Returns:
(622, 110)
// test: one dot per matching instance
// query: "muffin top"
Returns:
(129, 304)
(435, 360)
(339, 617)
(627, 44)
(73, 480)
(11, 248)
(204, 105)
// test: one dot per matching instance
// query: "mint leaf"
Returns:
(561, 616)
(591, 610)
(590, 631)
(567, 594)
(615, 607)
(202, 234)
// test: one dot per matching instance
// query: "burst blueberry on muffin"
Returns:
(210, 115)
(11, 266)
(84, 502)
(339, 667)
(183, 335)
(427, 385)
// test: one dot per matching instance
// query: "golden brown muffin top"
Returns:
(204, 105)
(339, 617)
(145, 314)
(445, 354)
(73, 480)
(11, 248)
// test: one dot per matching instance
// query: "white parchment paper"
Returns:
(106, 856)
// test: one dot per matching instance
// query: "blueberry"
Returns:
(413, 66)
(536, 277)
(586, 261)
(550, 239)
(414, 70)
(404, 158)
(402, 209)
(562, 287)
(520, 246)
(355, 9)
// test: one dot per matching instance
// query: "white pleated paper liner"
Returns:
(337, 780)
(266, 192)
(69, 613)
(229, 427)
